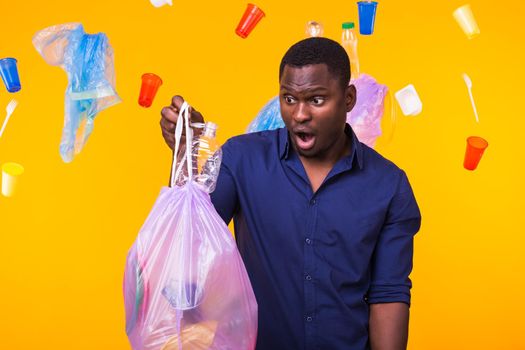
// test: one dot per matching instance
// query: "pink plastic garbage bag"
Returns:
(365, 117)
(185, 285)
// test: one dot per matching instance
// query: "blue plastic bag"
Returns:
(269, 118)
(88, 62)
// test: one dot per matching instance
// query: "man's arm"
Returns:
(389, 293)
(388, 326)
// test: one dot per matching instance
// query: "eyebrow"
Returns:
(308, 90)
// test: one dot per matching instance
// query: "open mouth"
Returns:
(304, 140)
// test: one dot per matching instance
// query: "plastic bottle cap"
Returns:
(348, 25)
(210, 129)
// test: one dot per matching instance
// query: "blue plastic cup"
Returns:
(9, 74)
(367, 16)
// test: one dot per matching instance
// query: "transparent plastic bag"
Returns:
(185, 285)
(88, 62)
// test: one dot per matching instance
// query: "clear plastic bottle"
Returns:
(209, 157)
(349, 42)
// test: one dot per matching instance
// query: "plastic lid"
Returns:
(210, 129)
(348, 25)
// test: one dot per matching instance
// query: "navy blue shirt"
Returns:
(317, 260)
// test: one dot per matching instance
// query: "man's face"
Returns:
(314, 107)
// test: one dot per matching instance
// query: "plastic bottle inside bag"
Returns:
(209, 156)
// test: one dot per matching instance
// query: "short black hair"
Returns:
(316, 51)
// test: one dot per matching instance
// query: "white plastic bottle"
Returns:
(349, 42)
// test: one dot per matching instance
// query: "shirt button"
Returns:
(308, 277)
(312, 202)
(309, 319)
(308, 241)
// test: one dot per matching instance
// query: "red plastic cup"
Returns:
(475, 148)
(249, 20)
(148, 90)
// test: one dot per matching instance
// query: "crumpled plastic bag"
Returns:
(185, 284)
(269, 118)
(88, 62)
(365, 117)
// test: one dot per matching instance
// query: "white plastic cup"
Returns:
(11, 173)
(160, 3)
(409, 100)
(466, 21)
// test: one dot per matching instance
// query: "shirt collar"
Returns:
(355, 146)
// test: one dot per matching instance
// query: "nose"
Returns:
(301, 113)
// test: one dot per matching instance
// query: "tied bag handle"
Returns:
(183, 118)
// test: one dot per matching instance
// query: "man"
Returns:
(324, 224)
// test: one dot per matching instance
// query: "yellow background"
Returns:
(64, 237)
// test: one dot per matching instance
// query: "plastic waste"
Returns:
(11, 174)
(268, 118)
(88, 62)
(365, 117)
(349, 43)
(9, 74)
(148, 89)
(466, 20)
(409, 100)
(475, 148)
(252, 15)
(314, 29)
(367, 16)
(9, 109)
(160, 3)
(185, 285)
(468, 82)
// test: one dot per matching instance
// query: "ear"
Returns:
(350, 97)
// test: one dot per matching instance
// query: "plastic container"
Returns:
(367, 16)
(9, 73)
(314, 29)
(11, 173)
(475, 147)
(349, 42)
(466, 21)
(409, 100)
(252, 16)
(148, 90)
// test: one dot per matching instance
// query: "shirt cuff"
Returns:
(389, 294)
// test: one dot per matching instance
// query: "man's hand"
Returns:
(169, 119)
(388, 326)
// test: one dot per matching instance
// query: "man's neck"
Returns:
(318, 168)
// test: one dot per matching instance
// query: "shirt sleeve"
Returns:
(224, 198)
(393, 255)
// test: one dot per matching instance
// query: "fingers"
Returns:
(176, 102)
(196, 117)
(169, 115)
(168, 120)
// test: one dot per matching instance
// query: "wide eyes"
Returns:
(316, 100)
(289, 99)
